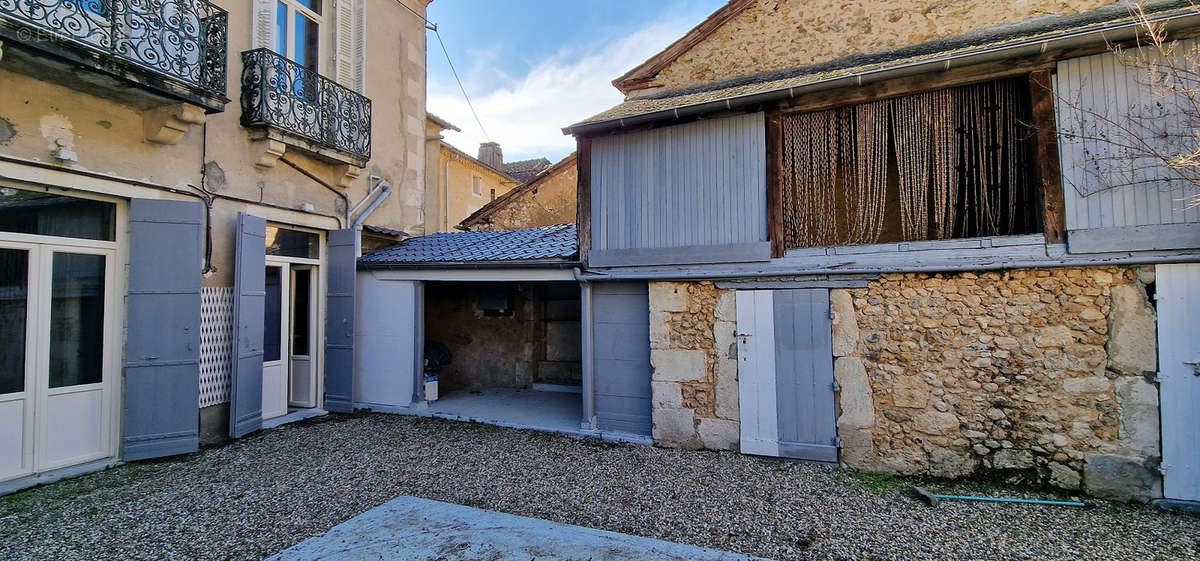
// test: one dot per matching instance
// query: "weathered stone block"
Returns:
(725, 339)
(1054, 336)
(668, 296)
(674, 427)
(726, 307)
(719, 434)
(677, 366)
(936, 423)
(1093, 384)
(563, 341)
(857, 407)
(1139, 425)
(1133, 332)
(1012, 459)
(1063, 476)
(660, 331)
(727, 389)
(845, 324)
(666, 394)
(858, 450)
(910, 397)
(945, 462)
(1120, 477)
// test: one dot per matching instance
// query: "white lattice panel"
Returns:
(216, 344)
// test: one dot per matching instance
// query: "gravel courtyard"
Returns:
(259, 495)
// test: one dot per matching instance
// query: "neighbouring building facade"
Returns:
(458, 184)
(182, 191)
(904, 238)
(546, 198)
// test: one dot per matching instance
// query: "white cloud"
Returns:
(526, 115)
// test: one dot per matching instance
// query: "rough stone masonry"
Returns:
(1043, 375)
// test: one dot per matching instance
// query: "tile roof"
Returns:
(1038, 29)
(385, 231)
(545, 244)
(524, 170)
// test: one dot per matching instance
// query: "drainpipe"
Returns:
(446, 195)
(382, 190)
(588, 354)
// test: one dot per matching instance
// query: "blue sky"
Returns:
(532, 67)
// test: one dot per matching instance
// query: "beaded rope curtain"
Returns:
(961, 168)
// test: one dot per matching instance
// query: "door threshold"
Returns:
(297, 415)
(33, 480)
(1177, 505)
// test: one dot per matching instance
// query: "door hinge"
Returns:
(1157, 379)
(837, 441)
(1162, 469)
(836, 386)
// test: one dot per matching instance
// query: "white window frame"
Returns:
(295, 7)
(477, 185)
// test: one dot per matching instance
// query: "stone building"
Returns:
(182, 191)
(841, 261)
(546, 198)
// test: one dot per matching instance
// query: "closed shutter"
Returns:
(785, 374)
(162, 352)
(262, 24)
(621, 342)
(249, 301)
(350, 44)
(342, 259)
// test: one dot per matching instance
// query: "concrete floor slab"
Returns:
(416, 529)
(543, 410)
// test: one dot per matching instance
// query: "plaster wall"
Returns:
(456, 170)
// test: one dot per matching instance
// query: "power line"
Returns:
(460, 85)
(434, 28)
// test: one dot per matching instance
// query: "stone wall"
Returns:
(780, 34)
(1041, 373)
(694, 355)
(1043, 376)
(548, 202)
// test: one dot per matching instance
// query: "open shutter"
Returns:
(785, 374)
(350, 44)
(162, 353)
(249, 300)
(339, 321)
(262, 23)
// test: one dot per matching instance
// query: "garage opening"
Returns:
(515, 351)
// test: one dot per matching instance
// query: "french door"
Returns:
(289, 336)
(56, 346)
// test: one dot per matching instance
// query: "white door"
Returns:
(301, 339)
(275, 340)
(756, 372)
(1177, 292)
(56, 367)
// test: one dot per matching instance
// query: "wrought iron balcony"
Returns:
(281, 94)
(183, 40)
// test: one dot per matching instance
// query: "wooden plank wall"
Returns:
(697, 184)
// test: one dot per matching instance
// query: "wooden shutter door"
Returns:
(341, 262)
(785, 374)
(249, 301)
(621, 339)
(162, 351)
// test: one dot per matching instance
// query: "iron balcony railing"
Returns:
(279, 93)
(181, 39)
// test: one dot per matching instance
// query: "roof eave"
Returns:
(1127, 29)
(469, 265)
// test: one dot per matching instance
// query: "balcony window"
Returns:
(281, 94)
(182, 40)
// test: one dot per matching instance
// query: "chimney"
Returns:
(491, 154)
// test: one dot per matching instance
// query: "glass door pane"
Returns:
(301, 300)
(273, 318)
(76, 319)
(14, 311)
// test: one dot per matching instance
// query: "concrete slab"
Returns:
(523, 409)
(422, 530)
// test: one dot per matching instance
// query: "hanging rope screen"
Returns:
(953, 163)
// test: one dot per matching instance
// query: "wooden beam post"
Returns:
(583, 209)
(1049, 172)
(774, 188)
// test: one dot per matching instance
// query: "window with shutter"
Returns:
(350, 44)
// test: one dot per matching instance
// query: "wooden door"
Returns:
(1178, 301)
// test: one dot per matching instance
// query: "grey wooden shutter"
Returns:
(162, 350)
(804, 375)
(341, 262)
(249, 301)
(262, 24)
(621, 339)
(349, 45)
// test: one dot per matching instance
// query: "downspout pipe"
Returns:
(382, 190)
(588, 366)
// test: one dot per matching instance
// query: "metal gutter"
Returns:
(467, 266)
(1125, 30)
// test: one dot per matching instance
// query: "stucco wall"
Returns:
(462, 201)
(779, 34)
(550, 202)
(1043, 375)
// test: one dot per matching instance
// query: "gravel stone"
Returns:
(254, 497)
